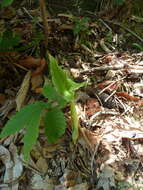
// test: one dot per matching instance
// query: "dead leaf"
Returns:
(106, 179)
(41, 183)
(42, 165)
(2, 98)
(21, 95)
(82, 186)
(30, 62)
(69, 179)
(40, 68)
(36, 82)
(127, 96)
(92, 139)
(92, 107)
(7, 13)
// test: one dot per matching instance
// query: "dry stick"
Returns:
(118, 24)
(44, 15)
(127, 29)
(30, 16)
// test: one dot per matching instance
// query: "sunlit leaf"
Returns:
(63, 84)
(50, 92)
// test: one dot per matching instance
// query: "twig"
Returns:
(93, 117)
(45, 22)
(30, 16)
(110, 95)
(108, 67)
(104, 47)
(125, 28)
(102, 21)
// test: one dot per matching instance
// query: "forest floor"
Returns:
(109, 151)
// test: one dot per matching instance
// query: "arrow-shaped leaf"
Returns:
(63, 84)
(50, 92)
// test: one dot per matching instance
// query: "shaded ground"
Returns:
(108, 154)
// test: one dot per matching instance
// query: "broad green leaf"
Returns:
(63, 84)
(50, 92)
(22, 118)
(32, 132)
(75, 122)
(55, 124)
(6, 3)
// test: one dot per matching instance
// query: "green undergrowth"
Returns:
(60, 92)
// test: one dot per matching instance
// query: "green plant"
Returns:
(81, 25)
(82, 30)
(6, 3)
(59, 93)
(8, 40)
(137, 46)
(109, 37)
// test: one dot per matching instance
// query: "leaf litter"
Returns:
(109, 150)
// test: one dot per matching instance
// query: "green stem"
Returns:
(75, 121)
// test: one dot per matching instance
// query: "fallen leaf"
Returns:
(2, 98)
(40, 68)
(127, 96)
(82, 186)
(36, 82)
(42, 165)
(21, 95)
(30, 62)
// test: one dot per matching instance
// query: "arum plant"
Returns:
(66, 88)
(60, 92)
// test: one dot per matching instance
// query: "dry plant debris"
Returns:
(109, 151)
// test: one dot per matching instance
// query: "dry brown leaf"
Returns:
(36, 82)
(30, 62)
(92, 139)
(92, 107)
(82, 186)
(2, 98)
(21, 95)
(48, 150)
(127, 96)
(40, 68)
(42, 165)
(69, 179)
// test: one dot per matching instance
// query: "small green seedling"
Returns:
(81, 25)
(60, 92)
